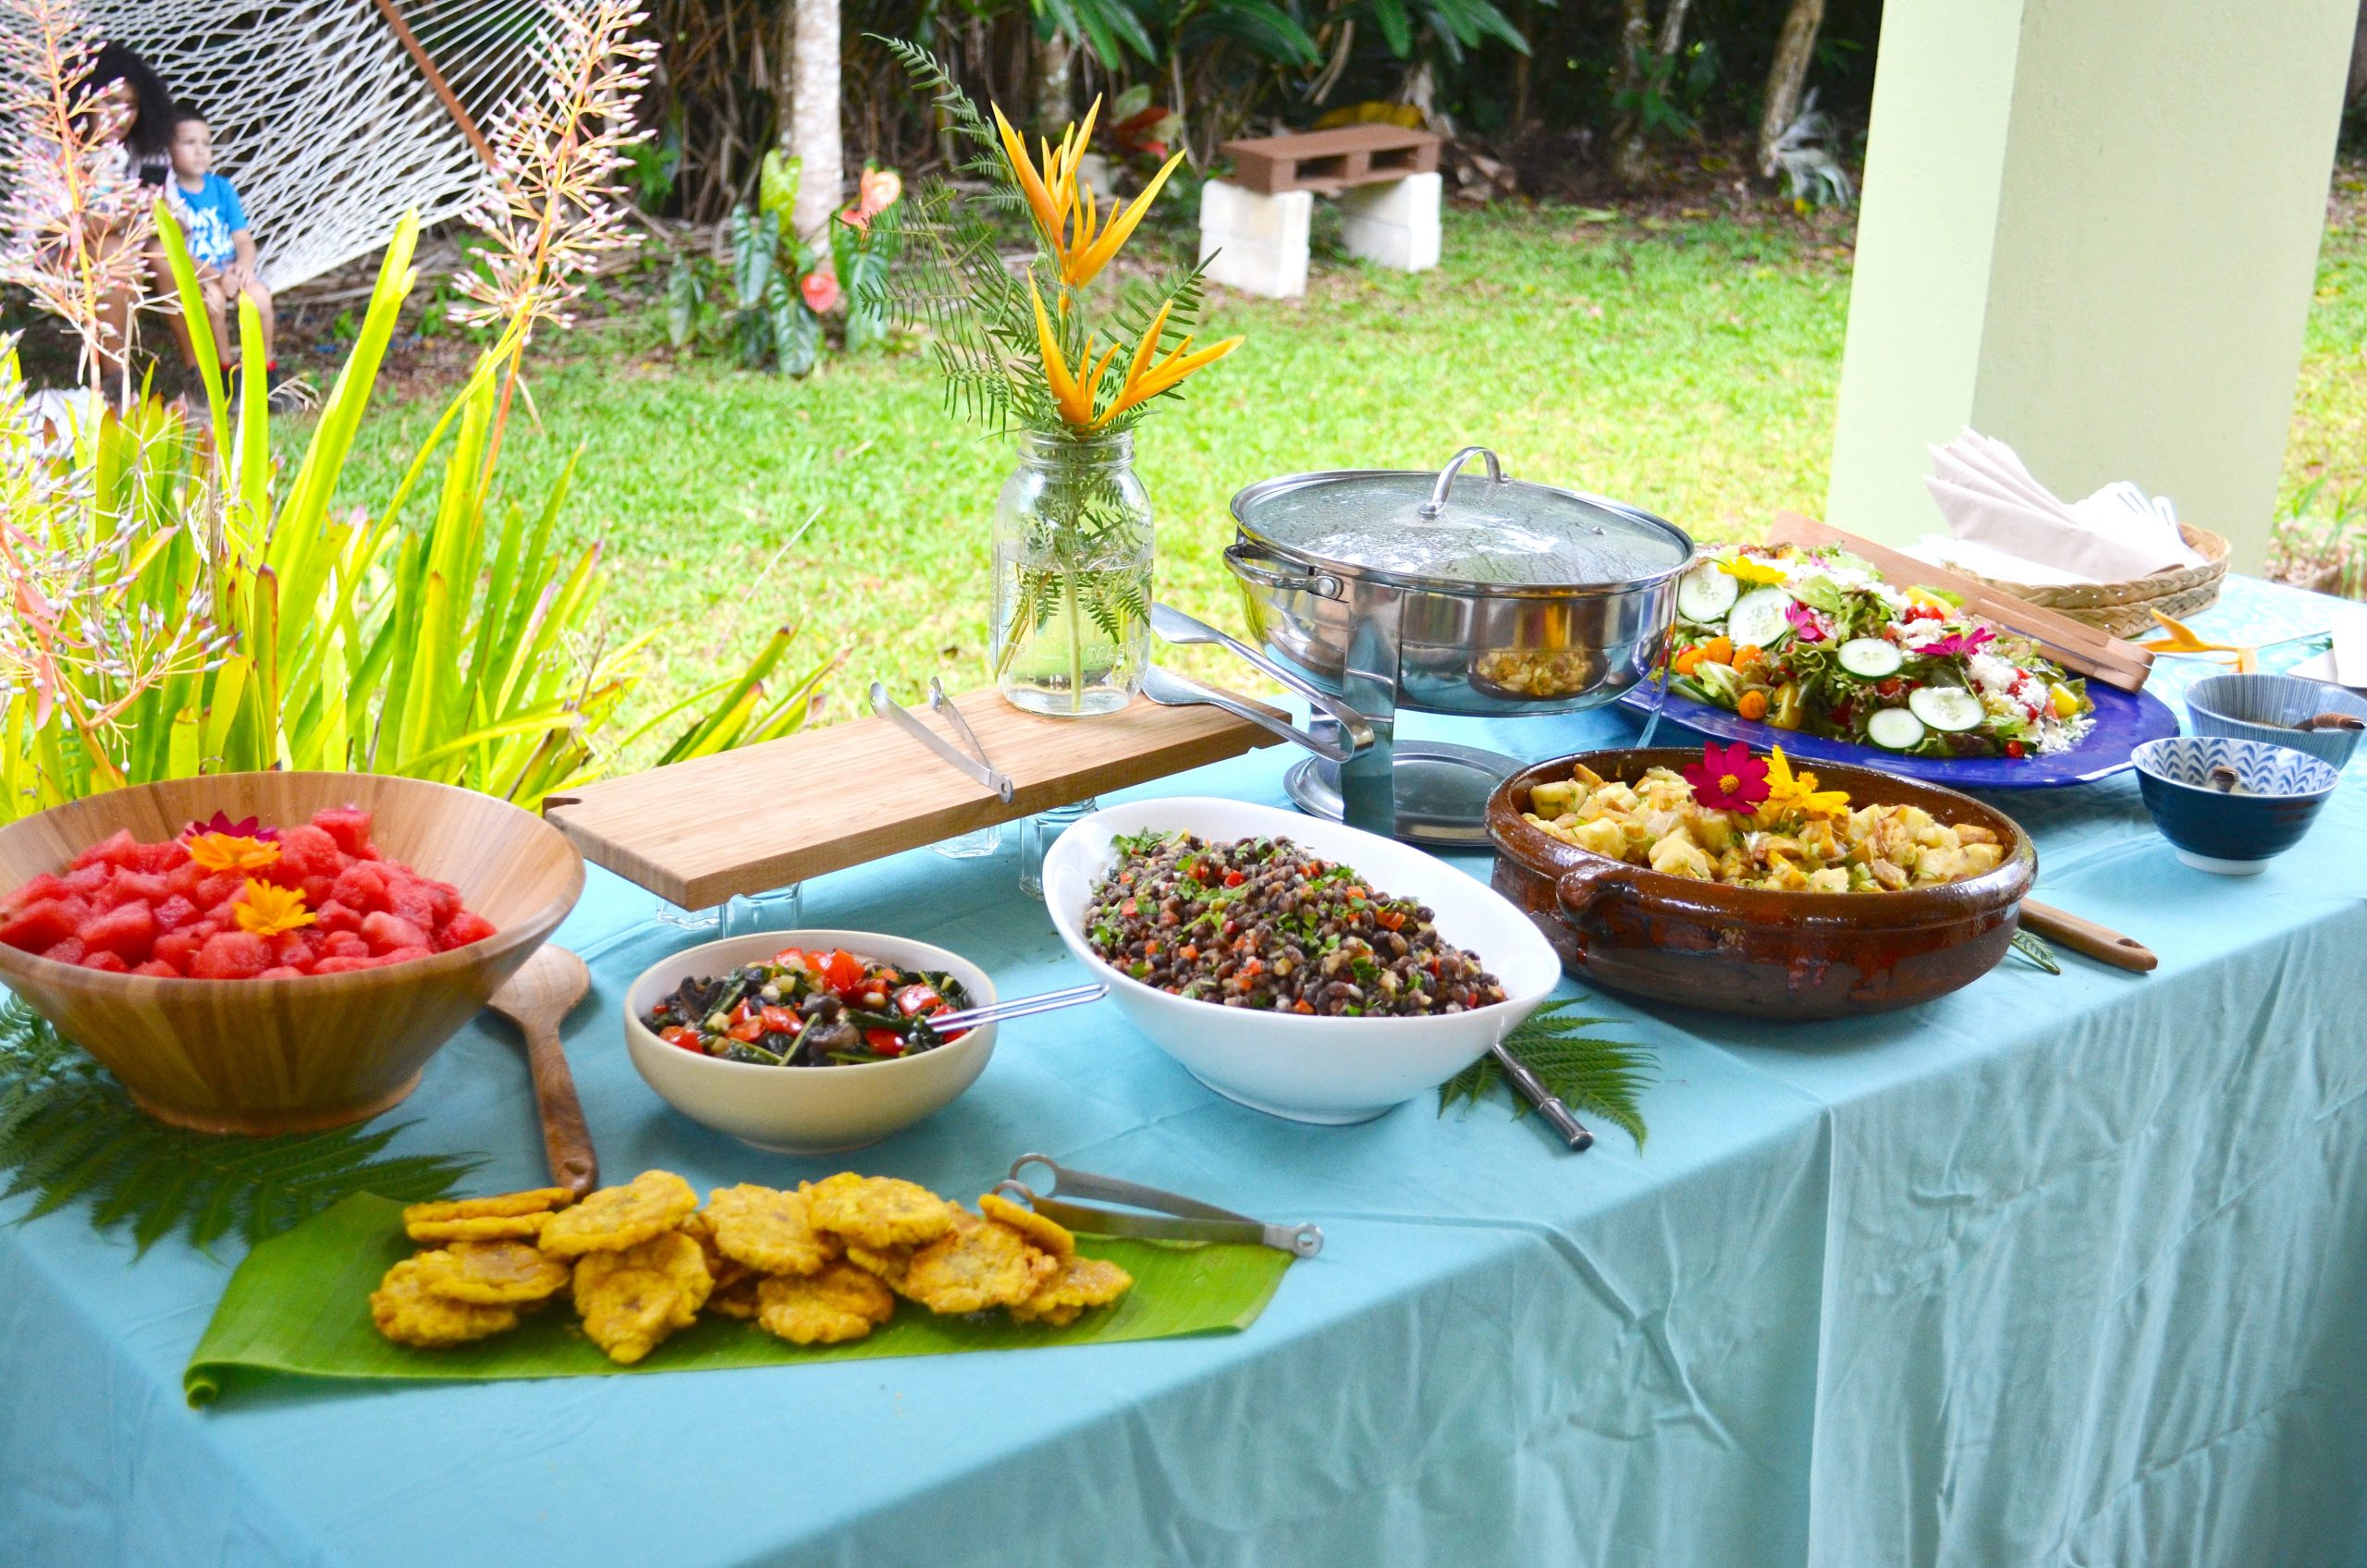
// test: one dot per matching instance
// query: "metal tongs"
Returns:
(970, 756)
(1171, 690)
(1197, 1223)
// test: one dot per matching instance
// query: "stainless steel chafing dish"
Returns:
(1449, 594)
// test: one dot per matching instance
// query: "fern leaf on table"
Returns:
(1586, 1072)
(69, 1133)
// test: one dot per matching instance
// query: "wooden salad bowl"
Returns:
(295, 1055)
(1749, 950)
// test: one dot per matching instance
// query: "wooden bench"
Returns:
(1254, 227)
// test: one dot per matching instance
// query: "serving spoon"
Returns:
(537, 999)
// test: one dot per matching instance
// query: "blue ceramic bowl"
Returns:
(2277, 794)
(2265, 708)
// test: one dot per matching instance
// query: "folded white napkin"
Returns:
(2002, 523)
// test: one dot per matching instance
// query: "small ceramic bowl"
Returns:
(2277, 794)
(807, 1110)
(2265, 708)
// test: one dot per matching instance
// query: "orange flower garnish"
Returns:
(1071, 219)
(231, 851)
(1073, 391)
(268, 908)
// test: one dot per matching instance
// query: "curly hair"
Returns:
(150, 134)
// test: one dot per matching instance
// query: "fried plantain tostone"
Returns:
(737, 1298)
(770, 1231)
(978, 1264)
(492, 1273)
(535, 1200)
(839, 1303)
(878, 1211)
(631, 1299)
(1081, 1282)
(617, 1217)
(1045, 1235)
(409, 1314)
(478, 1227)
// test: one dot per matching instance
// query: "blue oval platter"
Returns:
(2124, 721)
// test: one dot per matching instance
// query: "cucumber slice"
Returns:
(1704, 593)
(1946, 707)
(1869, 657)
(1894, 728)
(1761, 615)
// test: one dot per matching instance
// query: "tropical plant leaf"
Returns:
(1586, 1071)
(68, 1132)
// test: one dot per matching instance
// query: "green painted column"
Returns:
(2090, 229)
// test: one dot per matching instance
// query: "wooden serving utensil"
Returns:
(537, 999)
(2085, 936)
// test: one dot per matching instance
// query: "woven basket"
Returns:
(2126, 609)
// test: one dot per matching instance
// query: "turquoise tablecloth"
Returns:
(2058, 1269)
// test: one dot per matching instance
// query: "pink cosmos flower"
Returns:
(1961, 644)
(1807, 625)
(1728, 779)
(820, 291)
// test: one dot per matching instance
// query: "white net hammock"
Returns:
(333, 118)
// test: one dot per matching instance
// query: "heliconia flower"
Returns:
(820, 289)
(1050, 191)
(1067, 213)
(245, 827)
(1148, 375)
(267, 909)
(1727, 779)
(1791, 794)
(1073, 391)
(231, 851)
(1807, 625)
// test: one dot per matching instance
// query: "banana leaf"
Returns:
(298, 1307)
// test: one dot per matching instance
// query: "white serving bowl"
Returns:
(1310, 1069)
(807, 1110)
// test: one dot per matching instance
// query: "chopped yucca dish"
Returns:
(1751, 822)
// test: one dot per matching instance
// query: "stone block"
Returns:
(1270, 270)
(1411, 202)
(1258, 242)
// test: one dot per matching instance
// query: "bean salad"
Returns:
(1267, 923)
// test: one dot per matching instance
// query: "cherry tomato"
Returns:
(1234, 879)
(844, 971)
(749, 1031)
(917, 998)
(887, 1042)
(779, 1020)
(792, 957)
(687, 1038)
(2016, 749)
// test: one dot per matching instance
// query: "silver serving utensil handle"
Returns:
(1017, 1007)
(1195, 1222)
(1173, 626)
(886, 708)
(1548, 1105)
(1170, 690)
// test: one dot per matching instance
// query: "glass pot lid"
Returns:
(1453, 528)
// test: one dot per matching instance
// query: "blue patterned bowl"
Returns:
(2265, 708)
(2277, 794)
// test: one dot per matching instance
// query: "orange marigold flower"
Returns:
(268, 908)
(231, 851)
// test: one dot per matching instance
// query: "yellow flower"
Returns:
(227, 852)
(1081, 239)
(1051, 190)
(1791, 794)
(1148, 375)
(1090, 247)
(1073, 391)
(267, 909)
(1743, 568)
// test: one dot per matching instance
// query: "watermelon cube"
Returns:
(402, 955)
(106, 962)
(179, 948)
(174, 911)
(343, 965)
(385, 933)
(283, 971)
(331, 915)
(311, 851)
(362, 888)
(299, 946)
(160, 969)
(156, 860)
(445, 897)
(118, 849)
(231, 955)
(463, 928)
(344, 944)
(127, 931)
(67, 952)
(184, 879)
(350, 826)
(39, 926)
(412, 901)
(218, 889)
(131, 886)
(40, 888)
(88, 880)
(317, 890)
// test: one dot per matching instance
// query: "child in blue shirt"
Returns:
(214, 222)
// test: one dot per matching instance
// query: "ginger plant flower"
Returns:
(1050, 191)
(1147, 375)
(1073, 392)
(1093, 242)
(231, 851)
(267, 909)
(1793, 795)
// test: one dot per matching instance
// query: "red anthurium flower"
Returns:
(1728, 779)
(250, 828)
(820, 291)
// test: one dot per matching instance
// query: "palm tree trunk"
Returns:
(814, 119)
(1795, 47)
(1055, 85)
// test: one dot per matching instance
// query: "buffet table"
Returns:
(2060, 1269)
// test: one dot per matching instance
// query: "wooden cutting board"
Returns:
(764, 817)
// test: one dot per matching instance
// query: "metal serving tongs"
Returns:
(972, 761)
(1171, 690)
(1196, 1222)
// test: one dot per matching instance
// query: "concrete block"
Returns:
(1392, 245)
(1279, 222)
(1410, 203)
(1273, 271)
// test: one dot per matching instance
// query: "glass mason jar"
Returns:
(1072, 576)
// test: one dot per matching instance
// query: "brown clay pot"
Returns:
(1747, 950)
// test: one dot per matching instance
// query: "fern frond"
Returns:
(68, 1132)
(1585, 1071)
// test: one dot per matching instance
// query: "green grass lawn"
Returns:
(1689, 368)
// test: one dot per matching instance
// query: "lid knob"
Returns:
(1437, 503)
